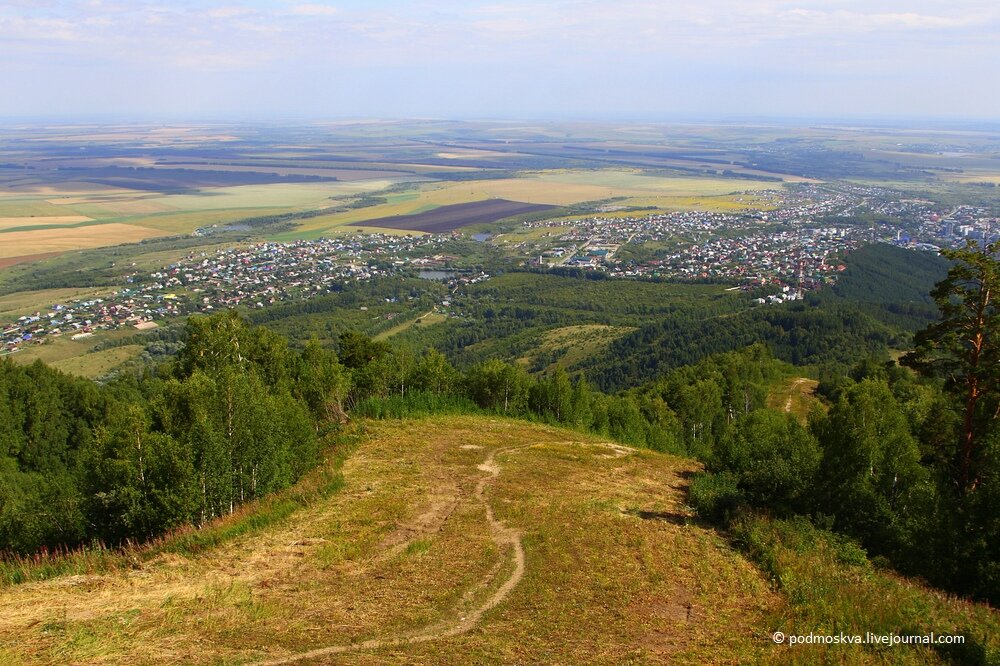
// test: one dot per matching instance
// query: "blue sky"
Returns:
(559, 59)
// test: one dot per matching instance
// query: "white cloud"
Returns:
(312, 9)
(535, 44)
(228, 12)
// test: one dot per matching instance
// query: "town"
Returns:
(795, 244)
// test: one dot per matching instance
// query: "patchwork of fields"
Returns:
(65, 188)
(449, 218)
(82, 215)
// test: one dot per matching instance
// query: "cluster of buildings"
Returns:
(800, 259)
(795, 239)
(82, 318)
(250, 276)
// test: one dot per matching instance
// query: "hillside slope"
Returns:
(466, 540)
(454, 539)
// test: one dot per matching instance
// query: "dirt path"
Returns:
(502, 535)
(791, 392)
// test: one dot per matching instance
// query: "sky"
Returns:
(554, 59)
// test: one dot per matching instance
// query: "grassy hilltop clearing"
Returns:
(474, 539)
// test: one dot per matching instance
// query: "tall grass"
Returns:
(415, 404)
(832, 587)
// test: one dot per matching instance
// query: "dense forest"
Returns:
(903, 458)
(235, 416)
(879, 301)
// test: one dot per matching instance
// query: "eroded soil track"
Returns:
(429, 523)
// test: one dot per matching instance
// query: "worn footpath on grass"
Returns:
(454, 540)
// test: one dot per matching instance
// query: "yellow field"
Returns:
(633, 183)
(425, 319)
(104, 207)
(20, 206)
(17, 243)
(342, 175)
(974, 176)
(574, 344)
(186, 222)
(726, 203)
(129, 216)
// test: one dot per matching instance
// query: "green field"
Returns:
(572, 345)
(427, 319)
(95, 364)
(71, 354)
(124, 216)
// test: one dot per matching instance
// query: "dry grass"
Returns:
(56, 350)
(425, 319)
(614, 570)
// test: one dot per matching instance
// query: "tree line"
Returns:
(234, 416)
(906, 460)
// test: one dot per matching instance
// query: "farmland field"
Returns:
(35, 221)
(18, 243)
(449, 218)
(7, 262)
(168, 181)
(554, 188)
(105, 218)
